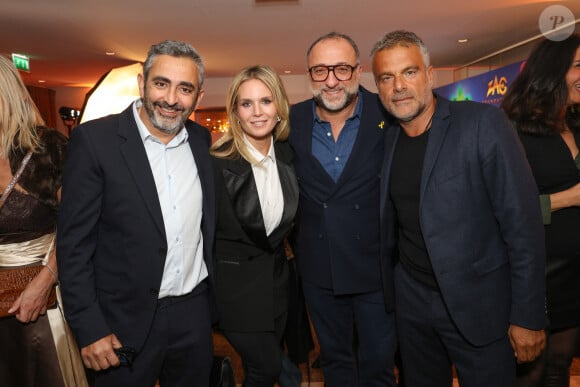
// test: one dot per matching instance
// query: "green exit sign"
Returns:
(22, 62)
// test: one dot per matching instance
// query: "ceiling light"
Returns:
(464, 40)
(41, 81)
(110, 53)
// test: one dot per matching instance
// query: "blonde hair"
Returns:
(19, 116)
(234, 137)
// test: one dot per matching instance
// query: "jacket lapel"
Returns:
(243, 193)
(133, 152)
(370, 133)
(304, 126)
(242, 190)
(391, 137)
(437, 134)
(289, 185)
(199, 148)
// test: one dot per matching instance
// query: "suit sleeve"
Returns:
(79, 212)
(514, 198)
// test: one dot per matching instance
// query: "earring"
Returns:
(278, 119)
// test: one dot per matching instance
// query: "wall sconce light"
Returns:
(70, 117)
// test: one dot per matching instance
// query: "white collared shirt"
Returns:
(269, 187)
(180, 196)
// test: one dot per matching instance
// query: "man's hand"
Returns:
(100, 355)
(527, 344)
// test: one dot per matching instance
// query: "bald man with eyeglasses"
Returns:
(337, 137)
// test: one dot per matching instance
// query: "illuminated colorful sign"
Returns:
(488, 88)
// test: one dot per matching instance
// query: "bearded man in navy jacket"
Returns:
(337, 138)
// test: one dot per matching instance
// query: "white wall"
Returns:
(443, 77)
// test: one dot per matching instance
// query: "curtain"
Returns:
(45, 102)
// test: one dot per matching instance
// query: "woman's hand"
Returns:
(566, 198)
(32, 301)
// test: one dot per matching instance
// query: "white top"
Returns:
(268, 184)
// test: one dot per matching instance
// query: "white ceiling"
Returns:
(67, 39)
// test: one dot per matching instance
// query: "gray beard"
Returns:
(349, 97)
(411, 117)
(166, 128)
(159, 125)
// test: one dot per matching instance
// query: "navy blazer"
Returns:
(480, 218)
(337, 242)
(245, 256)
(111, 237)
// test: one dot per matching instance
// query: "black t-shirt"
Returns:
(405, 190)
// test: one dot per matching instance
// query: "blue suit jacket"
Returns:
(480, 217)
(111, 238)
(338, 236)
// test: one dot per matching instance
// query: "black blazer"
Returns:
(111, 238)
(338, 237)
(245, 257)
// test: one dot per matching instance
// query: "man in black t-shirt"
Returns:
(462, 224)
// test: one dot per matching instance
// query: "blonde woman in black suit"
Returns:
(257, 197)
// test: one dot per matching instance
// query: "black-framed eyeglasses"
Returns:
(342, 72)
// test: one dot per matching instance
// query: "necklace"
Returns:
(428, 126)
(414, 133)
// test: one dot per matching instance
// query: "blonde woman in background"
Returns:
(37, 348)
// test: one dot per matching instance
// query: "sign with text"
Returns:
(488, 87)
(21, 62)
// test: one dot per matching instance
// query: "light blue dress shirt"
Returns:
(180, 196)
(331, 154)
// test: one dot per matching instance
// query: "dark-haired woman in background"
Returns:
(543, 104)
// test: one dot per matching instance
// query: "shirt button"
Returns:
(324, 205)
(337, 158)
(329, 134)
